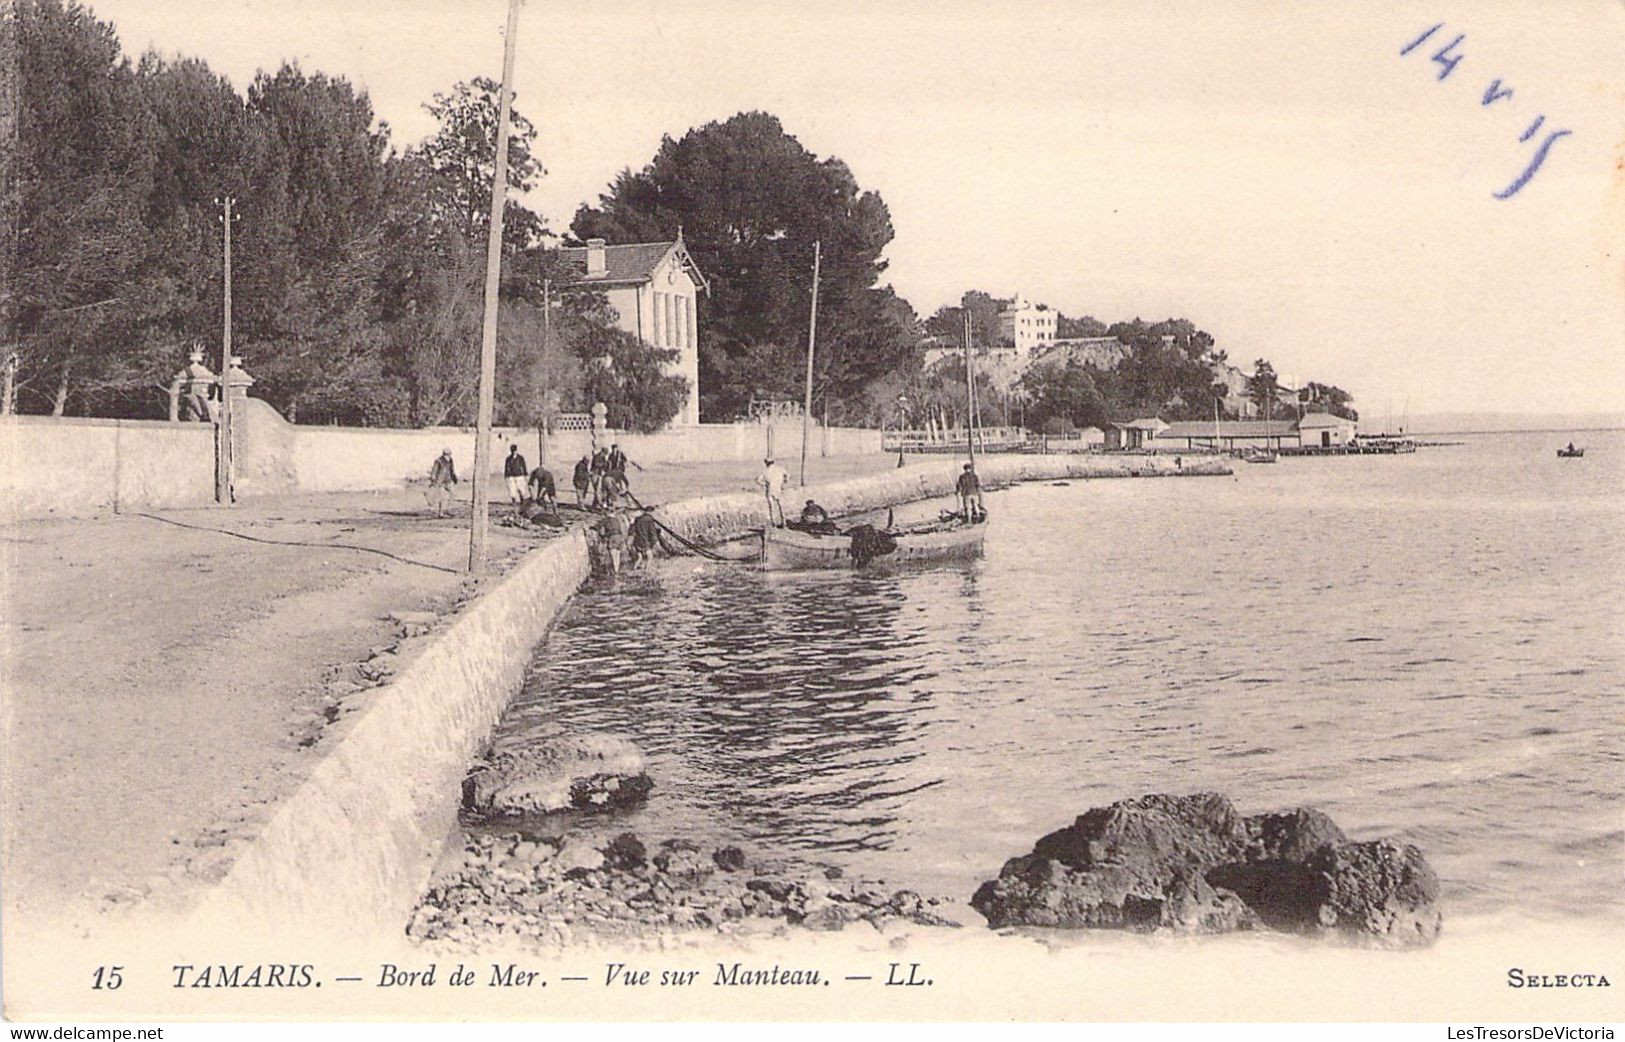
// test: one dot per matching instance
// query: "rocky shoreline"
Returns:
(550, 892)
(1154, 864)
(523, 875)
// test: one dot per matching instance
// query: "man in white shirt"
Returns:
(772, 480)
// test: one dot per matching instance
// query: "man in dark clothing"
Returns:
(442, 475)
(645, 536)
(543, 490)
(970, 493)
(514, 469)
(612, 533)
(815, 518)
(617, 459)
(582, 480)
(600, 470)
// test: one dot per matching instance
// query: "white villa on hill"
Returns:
(654, 287)
(1027, 325)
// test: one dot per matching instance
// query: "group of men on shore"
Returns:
(600, 484)
(599, 480)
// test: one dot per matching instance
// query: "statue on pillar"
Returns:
(192, 392)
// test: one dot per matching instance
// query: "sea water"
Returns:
(1424, 646)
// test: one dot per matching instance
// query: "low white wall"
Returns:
(349, 459)
(73, 467)
(334, 459)
(719, 441)
(70, 466)
(351, 850)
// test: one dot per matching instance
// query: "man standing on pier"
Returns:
(581, 479)
(970, 493)
(772, 480)
(515, 470)
(442, 475)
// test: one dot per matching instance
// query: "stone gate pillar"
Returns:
(600, 424)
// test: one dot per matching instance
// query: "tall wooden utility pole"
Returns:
(223, 462)
(541, 368)
(970, 395)
(488, 338)
(812, 339)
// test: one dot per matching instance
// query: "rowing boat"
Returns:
(785, 549)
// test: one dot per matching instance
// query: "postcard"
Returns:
(733, 511)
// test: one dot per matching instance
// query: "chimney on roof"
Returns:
(595, 257)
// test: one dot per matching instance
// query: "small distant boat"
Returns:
(1570, 453)
(1258, 456)
(787, 549)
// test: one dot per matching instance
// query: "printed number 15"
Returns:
(107, 978)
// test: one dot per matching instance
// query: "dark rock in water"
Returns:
(1152, 834)
(626, 852)
(1271, 873)
(1192, 864)
(1293, 836)
(589, 773)
(1384, 891)
(730, 859)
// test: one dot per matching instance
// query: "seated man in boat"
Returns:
(815, 519)
(970, 494)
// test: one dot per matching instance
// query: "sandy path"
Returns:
(165, 685)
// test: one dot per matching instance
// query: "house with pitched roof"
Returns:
(1323, 430)
(654, 288)
(1132, 435)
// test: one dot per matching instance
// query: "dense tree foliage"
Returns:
(947, 324)
(1321, 397)
(1263, 386)
(357, 272)
(750, 202)
(1068, 328)
(1065, 397)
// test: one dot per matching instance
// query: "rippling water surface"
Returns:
(1426, 646)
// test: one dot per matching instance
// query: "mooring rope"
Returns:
(296, 542)
(689, 544)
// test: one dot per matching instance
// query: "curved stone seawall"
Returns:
(349, 853)
(351, 849)
(714, 518)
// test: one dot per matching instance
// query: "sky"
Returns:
(1279, 173)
